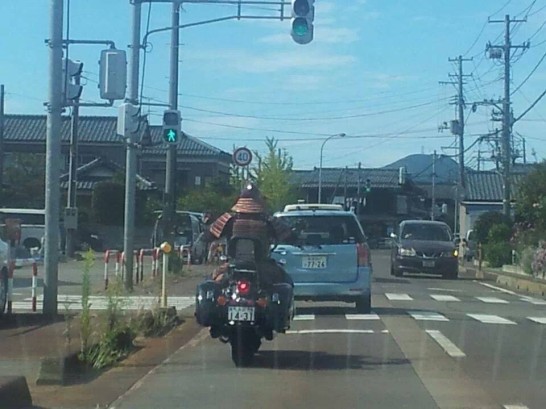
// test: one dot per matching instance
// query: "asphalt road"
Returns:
(430, 343)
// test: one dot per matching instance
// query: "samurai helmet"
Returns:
(250, 200)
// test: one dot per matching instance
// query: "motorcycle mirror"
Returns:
(223, 259)
(282, 262)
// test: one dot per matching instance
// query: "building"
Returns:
(99, 147)
(387, 196)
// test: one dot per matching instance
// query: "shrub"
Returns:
(498, 254)
(526, 259)
(539, 260)
(499, 233)
(486, 221)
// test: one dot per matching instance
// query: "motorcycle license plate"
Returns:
(428, 263)
(313, 262)
(241, 313)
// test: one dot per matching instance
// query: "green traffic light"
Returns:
(300, 26)
(170, 135)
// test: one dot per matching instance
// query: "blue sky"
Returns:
(371, 72)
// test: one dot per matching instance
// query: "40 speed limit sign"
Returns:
(242, 157)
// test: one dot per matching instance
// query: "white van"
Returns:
(32, 225)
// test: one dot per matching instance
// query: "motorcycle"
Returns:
(243, 308)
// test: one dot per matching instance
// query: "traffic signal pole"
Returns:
(169, 209)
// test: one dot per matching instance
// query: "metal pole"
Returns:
(461, 124)
(506, 120)
(53, 156)
(2, 113)
(358, 191)
(131, 165)
(164, 280)
(320, 165)
(73, 165)
(170, 167)
(433, 204)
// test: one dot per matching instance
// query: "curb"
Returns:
(529, 285)
(14, 393)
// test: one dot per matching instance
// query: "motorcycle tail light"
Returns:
(261, 302)
(221, 300)
(243, 287)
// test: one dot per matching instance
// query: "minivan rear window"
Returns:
(323, 230)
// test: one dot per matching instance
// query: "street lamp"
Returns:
(341, 135)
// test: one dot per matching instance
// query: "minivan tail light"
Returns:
(363, 254)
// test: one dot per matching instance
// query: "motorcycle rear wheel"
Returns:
(244, 344)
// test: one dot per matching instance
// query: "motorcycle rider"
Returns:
(248, 219)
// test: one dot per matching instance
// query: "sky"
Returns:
(372, 72)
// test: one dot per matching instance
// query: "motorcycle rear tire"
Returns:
(244, 344)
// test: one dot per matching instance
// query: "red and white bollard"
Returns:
(155, 262)
(107, 255)
(11, 269)
(34, 285)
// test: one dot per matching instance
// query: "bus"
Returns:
(32, 225)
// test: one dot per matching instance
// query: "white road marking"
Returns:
(492, 300)
(304, 317)
(365, 317)
(385, 331)
(515, 406)
(535, 301)
(427, 316)
(331, 331)
(491, 319)
(451, 349)
(494, 287)
(451, 290)
(398, 297)
(443, 297)
(73, 302)
(538, 320)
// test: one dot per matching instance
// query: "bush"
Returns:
(498, 254)
(486, 221)
(526, 258)
(499, 233)
(539, 260)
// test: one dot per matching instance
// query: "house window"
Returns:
(198, 181)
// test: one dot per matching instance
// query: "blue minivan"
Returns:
(327, 255)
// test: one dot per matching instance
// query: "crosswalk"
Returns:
(448, 298)
(131, 303)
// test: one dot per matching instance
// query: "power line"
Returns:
(530, 74)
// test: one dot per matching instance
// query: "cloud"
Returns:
(305, 82)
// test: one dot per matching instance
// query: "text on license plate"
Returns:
(241, 313)
(313, 262)
(428, 263)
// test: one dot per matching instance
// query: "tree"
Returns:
(272, 175)
(24, 180)
(216, 198)
(485, 223)
(531, 199)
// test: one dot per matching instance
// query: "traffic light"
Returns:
(113, 74)
(368, 185)
(71, 90)
(171, 125)
(128, 119)
(303, 14)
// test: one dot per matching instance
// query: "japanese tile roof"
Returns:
(487, 186)
(99, 130)
(332, 177)
(87, 183)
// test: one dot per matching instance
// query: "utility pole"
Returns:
(358, 191)
(345, 187)
(131, 158)
(73, 167)
(459, 129)
(506, 49)
(169, 211)
(2, 113)
(433, 201)
(53, 156)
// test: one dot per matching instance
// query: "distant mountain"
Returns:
(419, 167)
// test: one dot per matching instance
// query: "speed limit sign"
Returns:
(242, 156)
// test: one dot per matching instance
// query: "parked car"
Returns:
(422, 246)
(327, 256)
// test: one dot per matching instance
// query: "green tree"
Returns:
(271, 173)
(215, 197)
(531, 199)
(24, 180)
(486, 221)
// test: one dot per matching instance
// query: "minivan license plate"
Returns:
(313, 262)
(241, 313)
(428, 263)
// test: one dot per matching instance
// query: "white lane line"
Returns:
(491, 319)
(492, 300)
(451, 349)
(364, 317)
(427, 316)
(398, 297)
(534, 301)
(385, 331)
(443, 297)
(304, 317)
(331, 331)
(515, 406)
(538, 320)
(451, 290)
(494, 287)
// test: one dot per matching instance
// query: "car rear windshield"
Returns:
(428, 232)
(323, 230)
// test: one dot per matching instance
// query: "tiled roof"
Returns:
(86, 183)
(98, 130)
(486, 186)
(332, 177)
